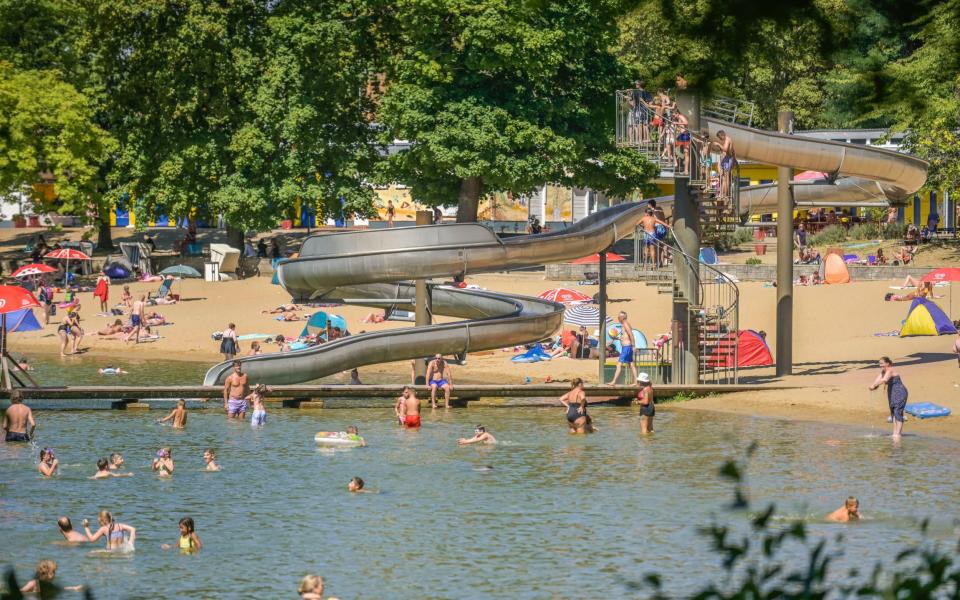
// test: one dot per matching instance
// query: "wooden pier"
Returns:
(319, 396)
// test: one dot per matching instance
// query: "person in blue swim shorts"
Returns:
(439, 377)
(627, 342)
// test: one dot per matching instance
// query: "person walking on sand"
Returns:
(17, 420)
(136, 316)
(896, 393)
(229, 344)
(646, 402)
(439, 376)
(178, 415)
(102, 291)
(408, 408)
(235, 391)
(627, 343)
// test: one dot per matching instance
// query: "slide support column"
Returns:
(785, 207)
(423, 309)
(602, 378)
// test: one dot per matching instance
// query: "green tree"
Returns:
(497, 95)
(235, 107)
(46, 125)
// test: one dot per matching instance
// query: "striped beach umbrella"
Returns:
(587, 315)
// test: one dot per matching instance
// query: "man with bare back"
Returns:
(18, 423)
(408, 408)
(728, 160)
(136, 315)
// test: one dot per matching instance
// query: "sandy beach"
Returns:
(835, 343)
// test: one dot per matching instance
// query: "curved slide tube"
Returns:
(869, 173)
(376, 264)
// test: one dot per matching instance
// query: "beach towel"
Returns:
(926, 410)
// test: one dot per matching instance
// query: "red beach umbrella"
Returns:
(33, 269)
(565, 296)
(595, 259)
(13, 298)
(944, 274)
(68, 254)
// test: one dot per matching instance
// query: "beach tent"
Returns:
(613, 334)
(22, 320)
(708, 256)
(835, 269)
(752, 351)
(926, 318)
(317, 323)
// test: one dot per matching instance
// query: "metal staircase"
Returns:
(713, 316)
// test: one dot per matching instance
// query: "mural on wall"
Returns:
(404, 208)
(559, 204)
(503, 206)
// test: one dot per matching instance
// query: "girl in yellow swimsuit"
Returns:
(189, 541)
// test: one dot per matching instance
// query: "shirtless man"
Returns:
(16, 419)
(649, 223)
(728, 160)
(178, 415)
(480, 436)
(439, 377)
(683, 140)
(235, 391)
(408, 406)
(69, 534)
(136, 316)
(627, 343)
(850, 511)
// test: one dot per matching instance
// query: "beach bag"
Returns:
(660, 231)
(216, 336)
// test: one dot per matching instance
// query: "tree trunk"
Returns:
(468, 200)
(235, 237)
(104, 235)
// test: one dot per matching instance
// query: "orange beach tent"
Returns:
(835, 269)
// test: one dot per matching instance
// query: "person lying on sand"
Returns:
(850, 511)
(155, 319)
(289, 317)
(283, 308)
(374, 318)
(115, 328)
(925, 289)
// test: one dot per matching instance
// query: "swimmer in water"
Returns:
(116, 461)
(42, 581)
(850, 511)
(356, 486)
(48, 462)
(209, 456)
(103, 471)
(163, 463)
(259, 417)
(575, 403)
(311, 588)
(108, 370)
(68, 532)
(189, 542)
(480, 436)
(178, 415)
(354, 434)
(117, 534)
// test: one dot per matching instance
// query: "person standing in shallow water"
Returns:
(18, 424)
(896, 393)
(646, 402)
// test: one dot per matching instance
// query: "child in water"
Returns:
(42, 582)
(163, 463)
(311, 588)
(103, 471)
(189, 541)
(259, 417)
(209, 456)
(850, 511)
(116, 461)
(354, 434)
(48, 462)
(178, 415)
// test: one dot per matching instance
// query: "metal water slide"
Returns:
(377, 266)
(856, 173)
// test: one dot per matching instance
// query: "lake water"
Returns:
(543, 515)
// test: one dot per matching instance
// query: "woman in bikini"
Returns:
(119, 535)
(163, 463)
(575, 403)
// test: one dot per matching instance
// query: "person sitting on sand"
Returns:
(210, 457)
(42, 583)
(575, 403)
(282, 342)
(355, 377)
(68, 532)
(178, 415)
(254, 349)
(126, 298)
(850, 511)
(480, 436)
(103, 471)
(115, 328)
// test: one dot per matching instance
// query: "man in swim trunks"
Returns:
(408, 408)
(728, 160)
(17, 418)
(850, 511)
(627, 342)
(136, 315)
(649, 224)
(235, 391)
(683, 140)
(439, 377)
